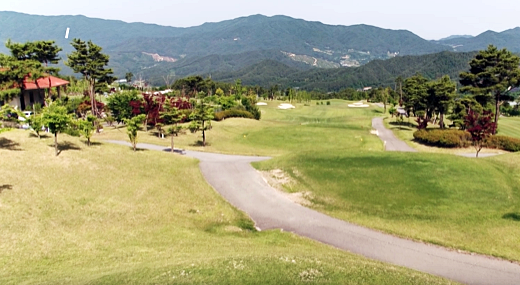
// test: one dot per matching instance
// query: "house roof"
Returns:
(44, 83)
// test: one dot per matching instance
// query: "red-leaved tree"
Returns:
(480, 126)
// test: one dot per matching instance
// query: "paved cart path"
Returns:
(392, 143)
(239, 183)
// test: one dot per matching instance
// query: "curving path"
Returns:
(238, 182)
(392, 143)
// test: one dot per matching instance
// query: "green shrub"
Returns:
(328, 102)
(443, 138)
(503, 142)
(232, 113)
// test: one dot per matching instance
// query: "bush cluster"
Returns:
(232, 113)
(503, 142)
(443, 138)
(458, 138)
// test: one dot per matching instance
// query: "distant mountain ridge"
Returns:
(509, 39)
(455, 37)
(152, 51)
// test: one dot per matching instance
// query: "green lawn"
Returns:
(106, 215)
(440, 198)
(443, 199)
(509, 126)
(279, 132)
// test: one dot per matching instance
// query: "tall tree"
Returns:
(443, 94)
(201, 117)
(399, 81)
(416, 94)
(91, 63)
(492, 72)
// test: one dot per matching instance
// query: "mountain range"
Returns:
(237, 47)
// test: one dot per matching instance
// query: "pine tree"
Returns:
(443, 95)
(91, 63)
(492, 72)
(201, 117)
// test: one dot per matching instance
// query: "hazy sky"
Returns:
(432, 19)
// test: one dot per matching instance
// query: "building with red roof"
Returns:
(33, 91)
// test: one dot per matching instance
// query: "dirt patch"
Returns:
(280, 181)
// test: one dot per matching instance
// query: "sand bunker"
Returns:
(261, 104)
(358, 105)
(285, 106)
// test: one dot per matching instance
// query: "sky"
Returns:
(432, 19)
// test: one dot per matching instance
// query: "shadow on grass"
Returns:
(138, 149)
(403, 124)
(176, 150)
(8, 144)
(5, 187)
(199, 143)
(43, 135)
(377, 111)
(64, 146)
(92, 143)
(512, 216)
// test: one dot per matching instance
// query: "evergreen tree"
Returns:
(91, 63)
(492, 73)
(172, 115)
(201, 117)
(443, 94)
(415, 95)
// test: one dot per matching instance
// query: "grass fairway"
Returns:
(443, 199)
(106, 215)
(280, 132)
(440, 198)
(509, 126)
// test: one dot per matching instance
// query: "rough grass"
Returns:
(106, 215)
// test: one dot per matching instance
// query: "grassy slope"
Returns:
(440, 198)
(106, 215)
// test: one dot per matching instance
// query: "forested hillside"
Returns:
(375, 73)
(509, 39)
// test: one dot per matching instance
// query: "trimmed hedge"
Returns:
(232, 113)
(443, 138)
(457, 138)
(503, 142)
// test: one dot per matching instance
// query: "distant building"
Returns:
(365, 89)
(33, 92)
